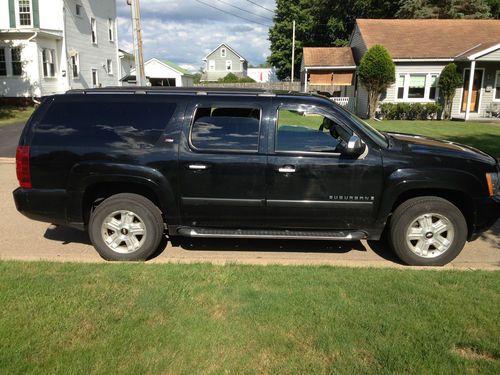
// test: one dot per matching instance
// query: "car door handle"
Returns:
(197, 167)
(286, 169)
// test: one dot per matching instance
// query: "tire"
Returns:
(427, 231)
(130, 223)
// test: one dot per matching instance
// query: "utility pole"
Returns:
(137, 39)
(293, 55)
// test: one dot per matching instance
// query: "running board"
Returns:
(271, 234)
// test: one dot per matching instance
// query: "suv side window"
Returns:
(225, 129)
(309, 131)
(116, 122)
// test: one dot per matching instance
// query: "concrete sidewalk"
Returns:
(24, 239)
(9, 138)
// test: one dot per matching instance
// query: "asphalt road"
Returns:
(9, 138)
(24, 239)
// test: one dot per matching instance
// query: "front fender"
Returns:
(87, 174)
(405, 180)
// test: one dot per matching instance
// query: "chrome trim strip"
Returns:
(314, 204)
(354, 236)
(192, 201)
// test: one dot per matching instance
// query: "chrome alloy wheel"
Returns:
(430, 235)
(123, 231)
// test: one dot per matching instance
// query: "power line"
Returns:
(260, 6)
(244, 10)
(232, 14)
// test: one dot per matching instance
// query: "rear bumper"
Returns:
(487, 213)
(44, 205)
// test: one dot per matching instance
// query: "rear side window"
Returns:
(128, 123)
(226, 129)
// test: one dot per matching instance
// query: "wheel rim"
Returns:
(430, 235)
(123, 232)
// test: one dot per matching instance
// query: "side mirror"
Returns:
(355, 146)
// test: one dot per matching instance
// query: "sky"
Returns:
(185, 31)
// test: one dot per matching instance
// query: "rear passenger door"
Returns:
(222, 163)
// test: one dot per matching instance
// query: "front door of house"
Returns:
(476, 90)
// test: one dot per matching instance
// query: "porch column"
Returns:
(305, 80)
(469, 90)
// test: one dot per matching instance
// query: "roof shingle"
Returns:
(428, 38)
(328, 56)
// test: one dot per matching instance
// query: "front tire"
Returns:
(126, 227)
(427, 231)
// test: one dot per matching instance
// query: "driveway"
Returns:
(9, 138)
(24, 239)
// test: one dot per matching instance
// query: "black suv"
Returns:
(131, 165)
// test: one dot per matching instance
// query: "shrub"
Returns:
(449, 80)
(376, 73)
(233, 78)
(410, 111)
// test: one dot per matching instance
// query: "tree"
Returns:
(449, 81)
(445, 8)
(319, 23)
(376, 73)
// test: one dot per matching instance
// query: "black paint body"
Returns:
(241, 190)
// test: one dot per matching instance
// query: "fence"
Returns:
(345, 101)
(278, 86)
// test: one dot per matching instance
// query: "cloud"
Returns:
(185, 31)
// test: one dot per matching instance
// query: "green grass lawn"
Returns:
(191, 319)
(484, 136)
(12, 115)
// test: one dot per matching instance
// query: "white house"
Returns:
(162, 73)
(50, 46)
(263, 75)
(126, 63)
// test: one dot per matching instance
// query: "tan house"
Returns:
(421, 49)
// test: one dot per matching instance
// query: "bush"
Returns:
(376, 73)
(233, 78)
(410, 111)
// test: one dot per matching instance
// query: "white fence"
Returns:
(345, 101)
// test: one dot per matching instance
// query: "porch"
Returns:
(479, 97)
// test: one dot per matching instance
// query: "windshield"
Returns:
(373, 133)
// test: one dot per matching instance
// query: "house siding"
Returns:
(78, 38)
(238, 67)
(358, 45)
(493, 56)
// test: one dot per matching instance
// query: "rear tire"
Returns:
(427, 231)
(126, 227)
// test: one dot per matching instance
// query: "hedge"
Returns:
(409, 111)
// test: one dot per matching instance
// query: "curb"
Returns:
(7, 160)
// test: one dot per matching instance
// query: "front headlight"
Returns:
(493, 181)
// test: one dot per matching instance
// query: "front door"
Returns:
(476, 90)
(221, 166)
(311, 185)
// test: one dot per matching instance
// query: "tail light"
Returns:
(23, 166)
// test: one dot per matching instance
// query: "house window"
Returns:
(229, 65)
(111, 26)
(93, 30)
(401, 86)
(222, 52)
(24, 11)
(433, 86)
(75, 65)
(416, 88)
(3, 63)
(17, 65)
(109, 66)
(78, 9)
(95, 78)
(211, 64)
(497, 86)
(49, 66)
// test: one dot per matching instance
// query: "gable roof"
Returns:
(168, 64)
(229, 48)
(328, 57)
(428, 38)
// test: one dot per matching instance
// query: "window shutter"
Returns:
(12, 14)
(36, 14)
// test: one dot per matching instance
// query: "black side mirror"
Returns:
(355, 146)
